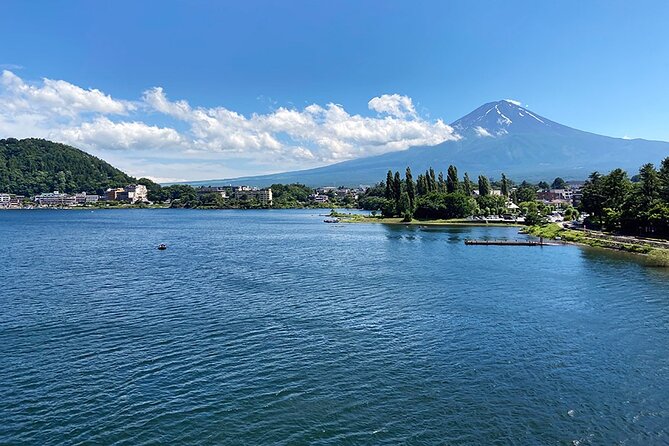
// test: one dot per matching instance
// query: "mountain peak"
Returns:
(507, 116)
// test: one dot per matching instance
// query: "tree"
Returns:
(505, 186)
(525, 192)
(404, 207)
(559, 183)
(390, 195)
(495, 204)
(431, 180)
(649, 183)
(397, 188)
(593, 198)
(452, 182)
(543, 185)
(467, 185)
(438, 205)
(410, 188)
(663, 176)
(484, 186)
(532, 214)
(372, 203)
(421, 185)
(615, 187)
(441, 184)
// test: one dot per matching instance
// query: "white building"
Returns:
(264, 196)
(55, 198)
(133, 193)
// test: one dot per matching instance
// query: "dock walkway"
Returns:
(505, 242)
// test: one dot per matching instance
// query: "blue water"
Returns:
(271, 327)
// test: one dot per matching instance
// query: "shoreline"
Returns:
(359, 218)
(651, 250)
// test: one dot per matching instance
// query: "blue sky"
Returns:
(601, 66)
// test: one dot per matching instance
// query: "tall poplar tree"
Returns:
(433, 180)
(467, 185)
(404, 207)
(410, 187)
(397, 188)
(441, 184)
(484, 186)
(389, 186)
(505, 186)
(452, 182)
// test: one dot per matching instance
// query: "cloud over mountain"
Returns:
(153, 126)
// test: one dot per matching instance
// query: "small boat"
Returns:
(331, 220)
(162, 246)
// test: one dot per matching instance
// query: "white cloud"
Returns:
(317, 133)
(58, 97)
(480, 131)
(393, 104)
(283, 139)
(103, 133)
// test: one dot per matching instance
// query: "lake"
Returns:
(271, 327)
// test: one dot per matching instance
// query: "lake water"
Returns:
(271, 327)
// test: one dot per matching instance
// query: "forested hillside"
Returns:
(32, 166)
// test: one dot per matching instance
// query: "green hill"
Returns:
(32, 166)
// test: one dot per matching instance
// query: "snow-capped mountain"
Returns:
(498, 137)
(503, 117)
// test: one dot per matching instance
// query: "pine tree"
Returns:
(649, 183)
(664, 180)
(452, 182)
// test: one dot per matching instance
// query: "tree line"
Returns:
(439, 196)
(637, 205)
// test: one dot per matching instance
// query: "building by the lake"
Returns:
(133, 193)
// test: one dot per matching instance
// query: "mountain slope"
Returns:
(32, 166)
(496, 137)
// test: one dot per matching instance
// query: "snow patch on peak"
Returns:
(514, 102)
(534, 117)
(503, 120)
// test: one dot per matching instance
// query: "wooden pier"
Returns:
(506, 242)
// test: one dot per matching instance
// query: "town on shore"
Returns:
(613, 202)
(183, 196)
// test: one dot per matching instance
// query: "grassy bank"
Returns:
(359, 218)
(654, 256)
